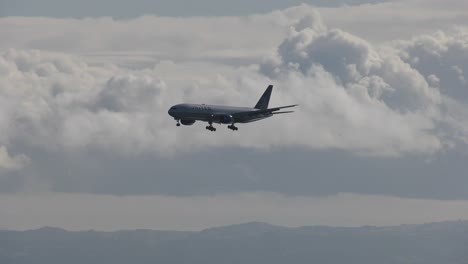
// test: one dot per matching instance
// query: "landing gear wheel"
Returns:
(178, 123)
(233, 128)
(211, 128)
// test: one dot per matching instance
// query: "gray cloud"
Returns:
(122, 92)
(228, 170)
(8, 162)
(124, 9)
(443, 58)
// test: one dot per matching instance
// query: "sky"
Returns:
(130, 9)
(379, 138)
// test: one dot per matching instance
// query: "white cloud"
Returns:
(390, 20)
(74, 105)
(148, 36)
(11, 163)
(443, 56)
(352, 95)
(358, 87)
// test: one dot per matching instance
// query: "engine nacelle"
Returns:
(226, 119)
(187, 122)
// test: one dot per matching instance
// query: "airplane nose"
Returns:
(171, 112)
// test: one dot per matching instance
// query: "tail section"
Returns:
(265, 99)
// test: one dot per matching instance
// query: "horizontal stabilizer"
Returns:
(280, 107)
(264, 111)
(283, 112)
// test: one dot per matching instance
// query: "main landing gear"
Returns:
(233, 127)
(210, 127)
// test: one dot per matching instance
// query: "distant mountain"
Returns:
(435, 243)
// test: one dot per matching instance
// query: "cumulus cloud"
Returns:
(354, 96)
(76, 105)
(8, 162)
(361, 85)
(350, 59)
(442, 58)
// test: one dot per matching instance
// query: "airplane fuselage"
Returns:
(214, 113)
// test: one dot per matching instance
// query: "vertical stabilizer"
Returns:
(265, 99)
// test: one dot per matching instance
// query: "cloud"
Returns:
(387, 21)
(123, 9)
(139, 40)
(443, 57)
(100, 88)
(360, 85)
(292, 171)
(350, 59)
(74, 105)
(12, 163)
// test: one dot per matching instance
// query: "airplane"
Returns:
(187, 114)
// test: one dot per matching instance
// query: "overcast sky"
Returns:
(382, 121)
(128, 9)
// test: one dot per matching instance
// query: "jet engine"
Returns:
(226, 119)
(186, 122)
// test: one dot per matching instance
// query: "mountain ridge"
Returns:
(247, 224)
(253, 242)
